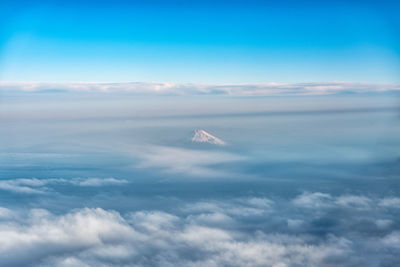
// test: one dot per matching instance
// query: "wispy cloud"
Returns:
(185, 161)
(313, 200)
(268, 89)
(358, 202)
(390, 202)
(236, 207)
(39, 186)
(97, 181)
(318, 200)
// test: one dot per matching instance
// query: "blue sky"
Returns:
(201, 42)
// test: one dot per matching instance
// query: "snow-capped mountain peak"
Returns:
(201, 136)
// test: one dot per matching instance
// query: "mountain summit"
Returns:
(201, 136)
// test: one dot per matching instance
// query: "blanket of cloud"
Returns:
(94, 179)
(270, 89)
(250, 231)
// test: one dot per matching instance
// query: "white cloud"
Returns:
(96, 237)
(272, 89)
(151, 221)
(383, 223)
(97, 181)
(244, 231)
(212, 218)
(185, 161)
(5, 213)
(240, 207)
(392, 240)
(358, 202)
(318, 200)
(390, 202)
(260, 202)
(313, 200)
(24, 185)
(295, 224)
(38, 186)
(45, 235)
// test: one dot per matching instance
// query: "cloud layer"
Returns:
(247, 231)
(269, 89)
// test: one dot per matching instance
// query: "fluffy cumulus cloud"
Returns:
(246, 231)
(39, 186)
(95, 237)
(187, 89)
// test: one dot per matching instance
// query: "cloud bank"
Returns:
(268, 89)
(246, 231)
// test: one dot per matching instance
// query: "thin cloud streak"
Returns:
(38, 186)
(165, 88)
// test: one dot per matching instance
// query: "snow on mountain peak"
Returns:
(201, 136)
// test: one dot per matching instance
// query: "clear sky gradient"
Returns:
(200, 41)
